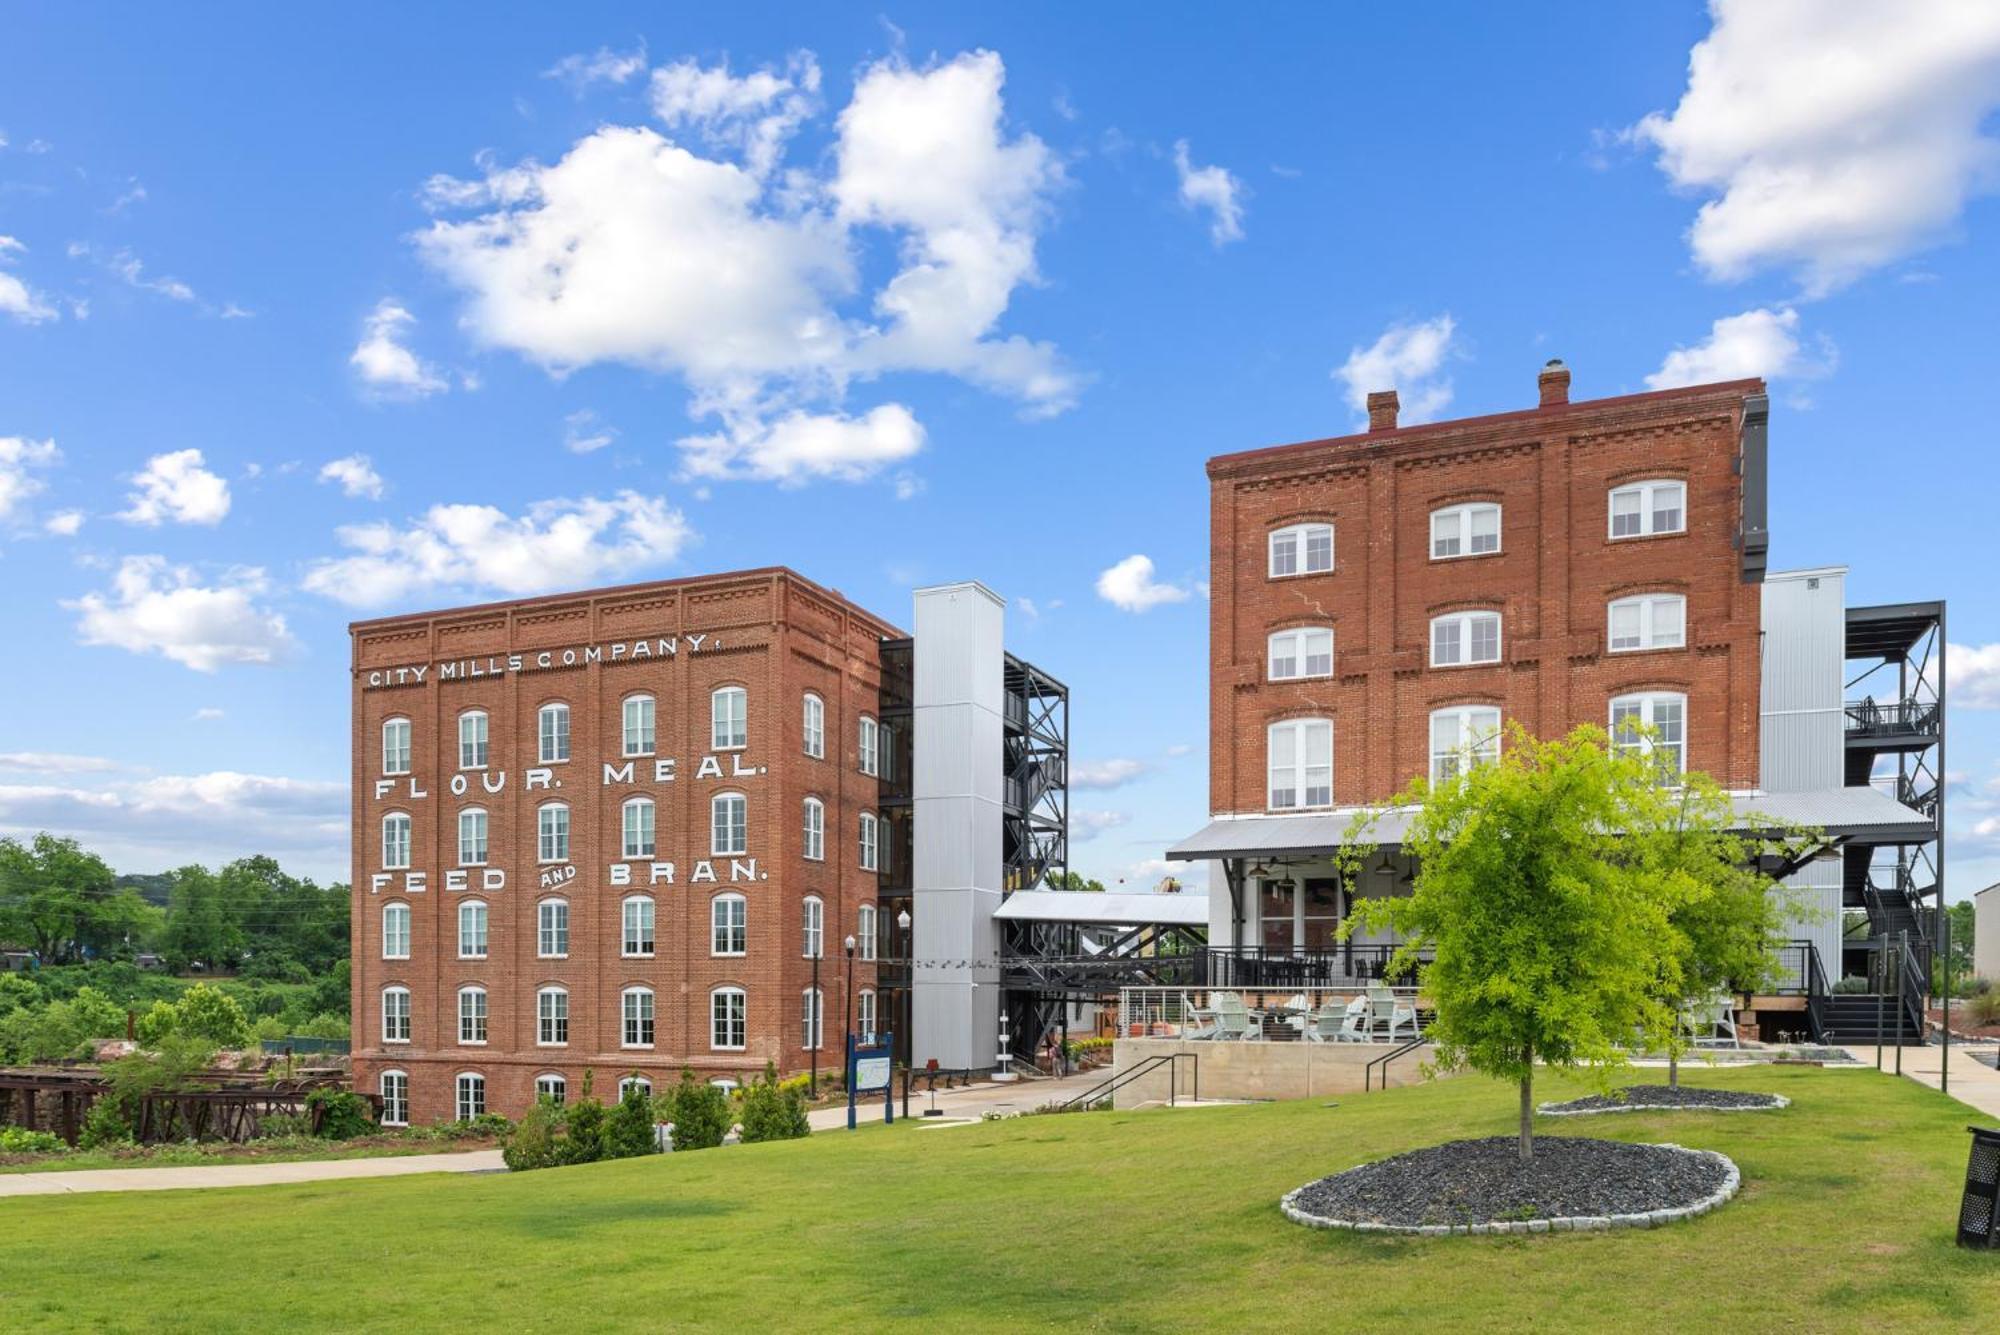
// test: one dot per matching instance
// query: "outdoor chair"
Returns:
(1354, 1021)
(1714, 1023)
(1198, 1022)
(1234, 1019)
(1390, 1011)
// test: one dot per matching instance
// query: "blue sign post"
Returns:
(871, 1066)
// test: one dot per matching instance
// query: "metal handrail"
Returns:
(1368, 1071)
(1877, 716)
(1105, 1089)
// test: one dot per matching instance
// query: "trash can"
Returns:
(1979, 1208)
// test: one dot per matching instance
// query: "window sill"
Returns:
(398, 1042)
(637, 955)
(1644, 537)
(472, 1042)
(1303, 574)
(740, 746)
(1303, 676)
(1647, 649)
(635, 1047)
(540, 1044)
(1447, 667)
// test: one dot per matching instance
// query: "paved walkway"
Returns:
(1972, 1083)
(968, 1101)
(242, 1174)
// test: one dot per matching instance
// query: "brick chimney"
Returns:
(1554, 381)
(1382, 406)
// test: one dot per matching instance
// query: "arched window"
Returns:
(1300, 752)
(729, 925)
(395, 1015)
(637, 1007)
(1465, 530)
(632, 1082)
(813, 924)
(471, 837)
(729, 719)
(728, 1010)
(865, 931)
(472, 930)
(395, 931)
(396, 746)
(815, 830)
(552, 832)
(395, 1087)
(639, 827)
(395, 841)
(1641, 509)
(1463, 737)
(472, 739)
(552, 734)
(639, 738)
(729, 824)
(471, 1096)
(1649, 621)
(870, 742)
(870, 845)
(552, 1018)
(1653, 723)
(472, 1016)
(1305, 651)
(812, 1014)
(1460, 639)
(552, 929)
(1301, 549)
(864, 1014)
(815, 726)
(636, 931)
(553, 1087)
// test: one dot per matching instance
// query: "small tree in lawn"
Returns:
(1532, 894)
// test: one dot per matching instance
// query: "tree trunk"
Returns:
(1528, 1105)
(1673, 1069)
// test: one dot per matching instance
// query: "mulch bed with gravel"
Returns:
(1666, 1098)
(1572, 1184)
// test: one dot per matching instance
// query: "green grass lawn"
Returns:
(1153, 1220)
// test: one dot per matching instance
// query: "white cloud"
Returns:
(1213, 189)
(356, 475)
(1972, 675)
(127, 266)
(1104, 775)
(1087, 825)
(753, 116)
(1762, 342)
(55, 762)
(603, 65)
(207, 714)
(584, 434)
(384, 363)
(555, 544)
(1130, 585)
(1832, 137)
(20, 460)
(16, 297)
(1408, 358)
(155, 607)
(177, 487)
(63, 523)
(803, 447)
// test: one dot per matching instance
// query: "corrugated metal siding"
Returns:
(1805, 627)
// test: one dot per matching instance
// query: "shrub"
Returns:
(533, 1142)
(20, 1140)
(284, 1126)
(107, 1123)
(583, 1137)
(343, 1113)
(1984, 1007)
(771, 1111)
(1848, 985)
(700, 1114)
(628, 1131)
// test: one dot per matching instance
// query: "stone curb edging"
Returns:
(1557, 1110)
(1732, 1180)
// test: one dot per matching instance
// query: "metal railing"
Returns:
(1278, 1015)
(1103, 1092)
(1877, 718)
(1284, 966)
(1381, 1064)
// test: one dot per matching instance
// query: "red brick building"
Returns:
(609, 831)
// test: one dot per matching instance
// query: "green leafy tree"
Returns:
(700, 1114)
(1071, 880)
(583, 1132)
(628, 1131)
(203, 1012)
(66, 903)
(199, 927)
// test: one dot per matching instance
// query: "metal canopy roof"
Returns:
(1110, 908)
(1891, 630)
(1861, 814)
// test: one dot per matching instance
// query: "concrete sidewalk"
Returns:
(967, 1101)
(1972, 1083)
(242, 1174)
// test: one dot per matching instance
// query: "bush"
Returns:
(20, 1140)
(628, 1131)
(700, 1114)
(1848, 985)
(533, 1142)
(343, 1113)
(284, 1126)
(107, 1123)
(771, 1111)
(1984, 1008)
(583, 1135)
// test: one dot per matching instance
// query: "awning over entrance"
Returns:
(1105, 909)
(1848, 815)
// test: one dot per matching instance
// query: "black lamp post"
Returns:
(850, 985)
(818, 1023)
(909, 984)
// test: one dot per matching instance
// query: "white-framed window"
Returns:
(864, 1014)
(1460, 639)
(1665, 712)
(870, 736)
(1649, 621)
(1462, 737)
(472, 918)
(1300, 752)
(728, 712)
(395, 1087)
(552, 832)
(815, 829)
(636, 1005)
(638, 819)
(1301, 549)
(396, 746)
(728, 824)
(728, 925)
(812, 1018)
(395, 841)
(636, 923)
(864, 931)
(639, 738)
(471, 837)
(1305, 651)
(552, 929)
(552, 1018)
(472, 739)
(471, 1096)
(552, 734)
(812, 924)
(553, 1087)
(815, 726)
(632, 1082)
(728, 1011)
(395, 1015)
(1640, 509)
(395, 931)
(472, 1016)
(1465, 530)
(871, 845)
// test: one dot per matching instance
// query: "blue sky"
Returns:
(304, 318)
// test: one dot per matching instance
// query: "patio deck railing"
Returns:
(1281, 1015)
